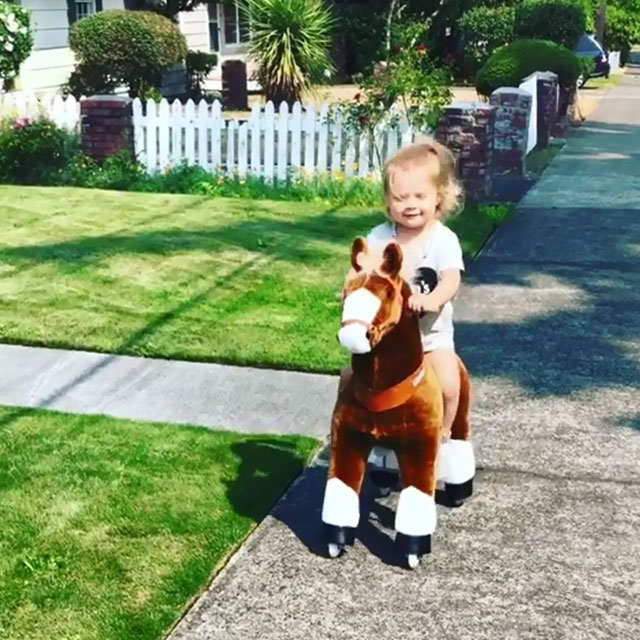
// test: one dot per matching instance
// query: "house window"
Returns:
(214, 39)
(85, 8)
(236, 27)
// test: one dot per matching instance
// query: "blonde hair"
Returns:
(440, 167)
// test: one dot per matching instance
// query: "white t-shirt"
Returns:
(441, 251)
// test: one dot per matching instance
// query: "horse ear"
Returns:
(392, 260)
(359, 249)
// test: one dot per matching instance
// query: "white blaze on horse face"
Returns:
(361, 305)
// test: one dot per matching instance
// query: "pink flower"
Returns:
(21, 123)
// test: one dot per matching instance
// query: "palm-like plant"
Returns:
(290, 43)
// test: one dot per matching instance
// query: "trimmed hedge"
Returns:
(510, 64)
(561, 21)
(117, 47)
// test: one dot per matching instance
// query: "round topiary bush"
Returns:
(561, 21)
(509, 65)
(16, 40)
(118, 47)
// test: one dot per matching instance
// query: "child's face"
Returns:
(413, 199)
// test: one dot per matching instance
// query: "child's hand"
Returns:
(423, 303)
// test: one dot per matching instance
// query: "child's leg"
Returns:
(445, 364)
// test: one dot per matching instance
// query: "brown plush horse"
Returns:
(392, 399)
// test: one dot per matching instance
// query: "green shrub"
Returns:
(199, 65)
(16, 40)
(510, 64)
(483, 30)
(561, 21)
(32, 150)
(290, 43)
(131, 48)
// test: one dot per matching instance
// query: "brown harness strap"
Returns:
(378, 401)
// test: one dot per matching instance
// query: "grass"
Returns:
(602, 82)
(110, 528)
(539, 159)
(188, 277)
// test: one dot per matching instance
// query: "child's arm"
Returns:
(446, 290)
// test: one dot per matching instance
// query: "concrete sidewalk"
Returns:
(548, 548)
(210, 395)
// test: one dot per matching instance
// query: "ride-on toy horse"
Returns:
(393, 400)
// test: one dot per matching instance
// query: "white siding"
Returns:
(112, 4)
(51, 27)
(195, 27)
(45, 71)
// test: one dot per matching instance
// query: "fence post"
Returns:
(511, 130)
(467, 128)
(107, 126)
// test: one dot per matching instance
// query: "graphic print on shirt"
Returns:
(426, 278)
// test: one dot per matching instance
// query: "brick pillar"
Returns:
(467, 128)
(107, 126)
(547, 106)
(513, 108)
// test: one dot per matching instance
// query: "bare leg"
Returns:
(446, 365)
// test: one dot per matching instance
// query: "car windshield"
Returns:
(587, 44)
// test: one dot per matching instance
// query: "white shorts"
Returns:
(438, 340)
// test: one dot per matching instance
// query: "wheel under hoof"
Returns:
(456, 494)
(338, 539)
(413, 547)
(384, 480)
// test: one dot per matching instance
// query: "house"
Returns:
(212, 27)
(221, 28)
(51, 62)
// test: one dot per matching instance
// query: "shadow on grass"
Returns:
(267, 466)
(296, 241)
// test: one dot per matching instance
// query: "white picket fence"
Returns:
(270, 144)
(64, 112)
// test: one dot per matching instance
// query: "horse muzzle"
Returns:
(358, 312)
(353, 335)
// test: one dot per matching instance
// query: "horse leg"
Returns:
(341, 506)
(457, 466)
(416, 513)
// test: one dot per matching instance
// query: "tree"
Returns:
(168, 8)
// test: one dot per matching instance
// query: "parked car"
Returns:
(588, 47)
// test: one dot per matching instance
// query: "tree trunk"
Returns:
(601, 19)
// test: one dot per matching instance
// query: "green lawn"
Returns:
(226, 280)
(110, 528)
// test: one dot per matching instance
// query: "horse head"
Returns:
(373, 298)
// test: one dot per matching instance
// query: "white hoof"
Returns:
(456, 464)
(413, 561)
(334, 550)
(416, 513)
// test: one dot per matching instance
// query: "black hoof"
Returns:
(384, 478)
(413, 545)
(341, 536)
(456, 494)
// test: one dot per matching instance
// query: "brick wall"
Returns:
(107, 126)
(467, 128)
(547, 106)
(513, 107)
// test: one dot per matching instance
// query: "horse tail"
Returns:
(461, 427)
